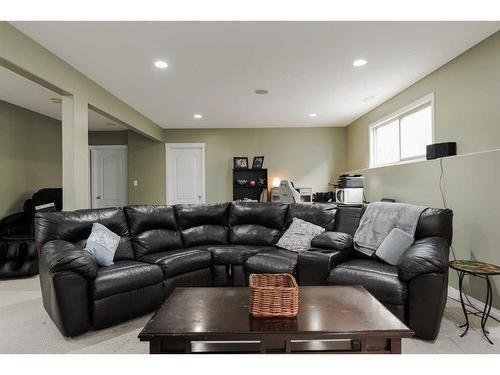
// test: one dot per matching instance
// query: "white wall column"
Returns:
(75, 153)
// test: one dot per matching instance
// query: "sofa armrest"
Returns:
(61, 255)
(333, 241)
(427, 255)
(314, 265)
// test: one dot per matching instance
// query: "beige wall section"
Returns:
(146, 164)
(466, 104)
(467, 110)
(30, 155)
(98, 138)
(26, 57)
(310, 157)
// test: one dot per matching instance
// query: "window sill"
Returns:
(402, 162)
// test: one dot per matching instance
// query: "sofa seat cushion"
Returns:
(234, 254)
(175, 262)
(124, 276)
(381, 280)
(272, 261)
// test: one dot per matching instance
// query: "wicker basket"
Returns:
(273, 295)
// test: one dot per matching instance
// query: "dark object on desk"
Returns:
(440, 150)
(249, 189)
(323, 197)
(346, 181)
(482, 270)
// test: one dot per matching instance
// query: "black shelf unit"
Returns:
(247, 191)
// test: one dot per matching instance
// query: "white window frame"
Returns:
(402, 112)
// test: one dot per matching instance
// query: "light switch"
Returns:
(136, 183)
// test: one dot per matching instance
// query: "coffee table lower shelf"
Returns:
(276, 346)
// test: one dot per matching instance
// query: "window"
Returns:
(403, 135)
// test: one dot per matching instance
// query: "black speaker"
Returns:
(439, 150)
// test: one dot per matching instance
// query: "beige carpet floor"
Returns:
(25, 327)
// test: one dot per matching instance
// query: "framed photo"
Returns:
(258, 162)
(240, 162)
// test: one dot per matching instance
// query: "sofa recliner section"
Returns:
(164, 247)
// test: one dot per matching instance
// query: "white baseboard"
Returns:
(455, 294)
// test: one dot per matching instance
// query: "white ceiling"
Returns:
(22, 92)
(214, 67)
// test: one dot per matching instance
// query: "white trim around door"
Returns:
(125, 176)
(170, 183)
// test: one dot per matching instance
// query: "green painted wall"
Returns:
(467, 110)
(98, 138)
(310, 157)
(30, 155)
(146, 164)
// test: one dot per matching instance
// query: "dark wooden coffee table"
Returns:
(331, 319)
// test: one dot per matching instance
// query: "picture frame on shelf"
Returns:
(240, 162)
(258, 162)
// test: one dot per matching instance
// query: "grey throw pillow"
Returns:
(299, 235)
(393, 246)
(102, 244)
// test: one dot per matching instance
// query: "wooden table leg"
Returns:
(395, 346)
(154, 347)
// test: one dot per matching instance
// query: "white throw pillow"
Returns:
(393, 246)
(102, 244)
(299, 235)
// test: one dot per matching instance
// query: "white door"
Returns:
(185, 173)
(108, 168)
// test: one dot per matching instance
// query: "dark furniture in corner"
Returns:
(164, 247)
(18, 255)
(331, 319)
(241, 192)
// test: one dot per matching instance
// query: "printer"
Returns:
(349, 189)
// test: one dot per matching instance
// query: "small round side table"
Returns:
(482, 270)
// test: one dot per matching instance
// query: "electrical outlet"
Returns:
(136, 183)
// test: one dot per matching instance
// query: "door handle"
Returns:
(98, 197)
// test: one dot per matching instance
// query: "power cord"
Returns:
(445, 205)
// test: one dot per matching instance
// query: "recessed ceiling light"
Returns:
(161, 64)
(312, 115)
(197, 116)
(261, 91)
(359, 62)
(56, 100)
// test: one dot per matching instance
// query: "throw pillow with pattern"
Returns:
(102, 244)
(299, 235)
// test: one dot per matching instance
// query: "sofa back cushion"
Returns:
(435, 222)
(76, 226)
(253, 223)
(203, 224)
(321, 214)
(153, 229)
(347, 218)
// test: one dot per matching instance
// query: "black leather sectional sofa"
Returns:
(219, 245)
